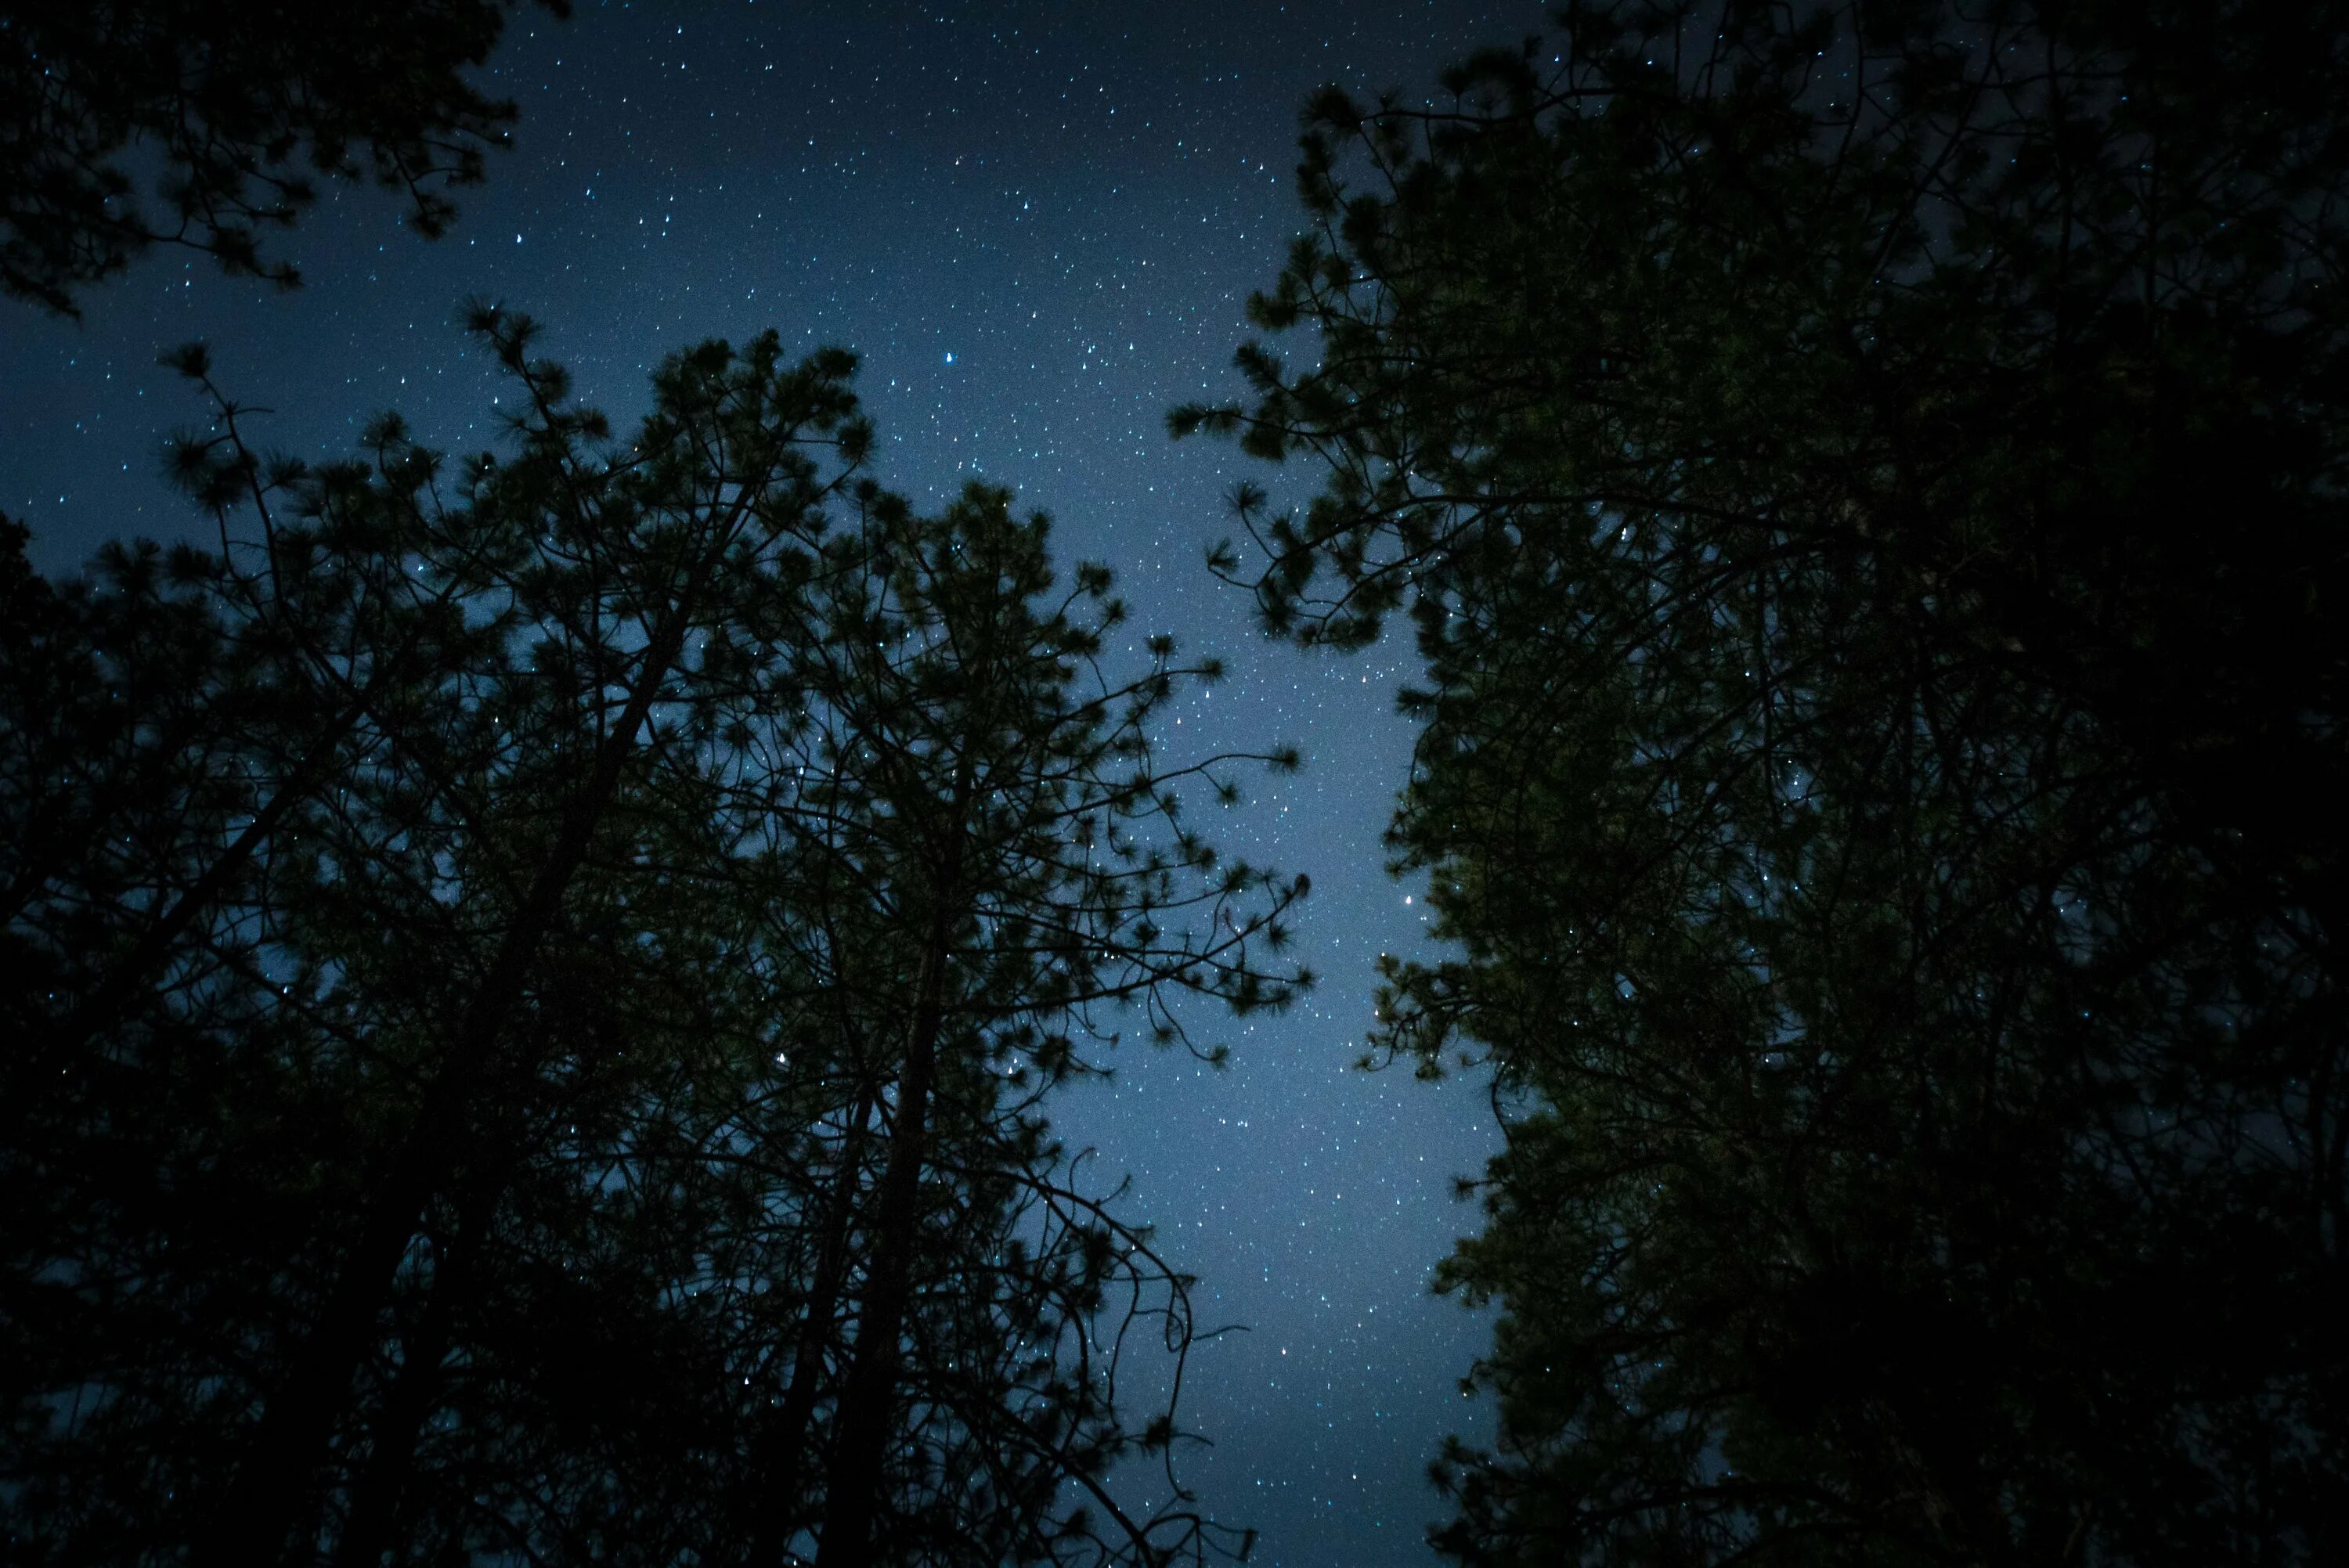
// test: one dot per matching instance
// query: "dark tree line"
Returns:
(533, 987)
(1867, 484)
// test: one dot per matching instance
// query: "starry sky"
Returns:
(1037, 225)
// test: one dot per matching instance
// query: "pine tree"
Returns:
(1003, 814)
(1865, 481)
(623, 568)
(540, 989)
(463, 814)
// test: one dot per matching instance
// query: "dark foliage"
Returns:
(1867, 481)
(236, 105)
(532, 985)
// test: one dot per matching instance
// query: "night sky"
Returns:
(1036, 224)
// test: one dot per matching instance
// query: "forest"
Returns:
(536, 981)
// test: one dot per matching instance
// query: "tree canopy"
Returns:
(535, 983)
(236, 105)
(1866, 482)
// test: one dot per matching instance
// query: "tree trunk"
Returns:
(779, 1457)
(868, 1399)
(373, 1512)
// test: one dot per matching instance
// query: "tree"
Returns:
(172, 1104)
(240, 104)
(133, 721)
(1000, 808)
(1876, 772)
(611, 567)
(352, 1032)
(538, 988)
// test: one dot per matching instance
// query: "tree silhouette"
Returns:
(1867, 484)
(463, 698)
(1001, 809)
(241, 103)
(535, 990)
